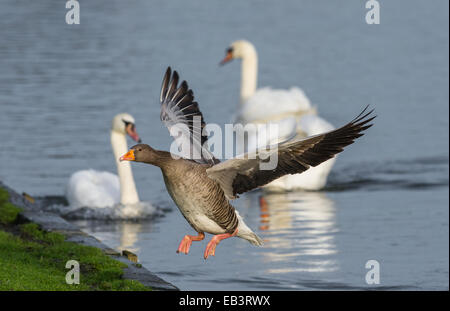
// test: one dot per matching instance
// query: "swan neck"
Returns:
(128, 192)
(249, 74)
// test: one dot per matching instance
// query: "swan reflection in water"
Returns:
(129, 236)
(298, 230)
(120, 236)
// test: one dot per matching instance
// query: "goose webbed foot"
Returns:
(185, 244)
(211, 247)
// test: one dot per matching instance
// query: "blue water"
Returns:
(387, 197)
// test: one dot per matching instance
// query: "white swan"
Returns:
(289, 109)
(95, 189)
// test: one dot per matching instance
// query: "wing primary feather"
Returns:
(179, 108)
(172, 86)
(164, 85)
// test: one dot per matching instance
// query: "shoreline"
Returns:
(49, 223)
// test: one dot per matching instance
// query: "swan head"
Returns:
(139, 153)
(239, 49)
(124, 123)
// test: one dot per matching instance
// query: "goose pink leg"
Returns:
(185, 244)
(211, 247)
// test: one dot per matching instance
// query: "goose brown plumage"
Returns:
(201, 186)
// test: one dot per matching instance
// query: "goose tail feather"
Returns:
(246, 233)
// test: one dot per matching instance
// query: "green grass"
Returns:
(33, 259)
(8, 212)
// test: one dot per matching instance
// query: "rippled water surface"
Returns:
(386, 199)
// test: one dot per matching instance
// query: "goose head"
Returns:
(239, 49)
(124, 124)
(140, 153)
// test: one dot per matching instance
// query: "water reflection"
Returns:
(118, 235)
(299, 231)
(129, 236)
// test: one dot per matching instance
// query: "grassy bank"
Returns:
(31, 259)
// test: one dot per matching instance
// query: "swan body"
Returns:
(97, 189)
(289, 109)
(93, 188)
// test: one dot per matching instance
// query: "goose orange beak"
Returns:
(129, 156)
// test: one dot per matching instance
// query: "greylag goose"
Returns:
(202, 186)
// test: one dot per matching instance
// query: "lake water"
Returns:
(387, 196)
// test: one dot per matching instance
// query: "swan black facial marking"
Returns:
(127, 123)
(229, 50)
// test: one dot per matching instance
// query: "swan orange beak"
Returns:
(129, 156)
(131, 131)
(227, 58)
